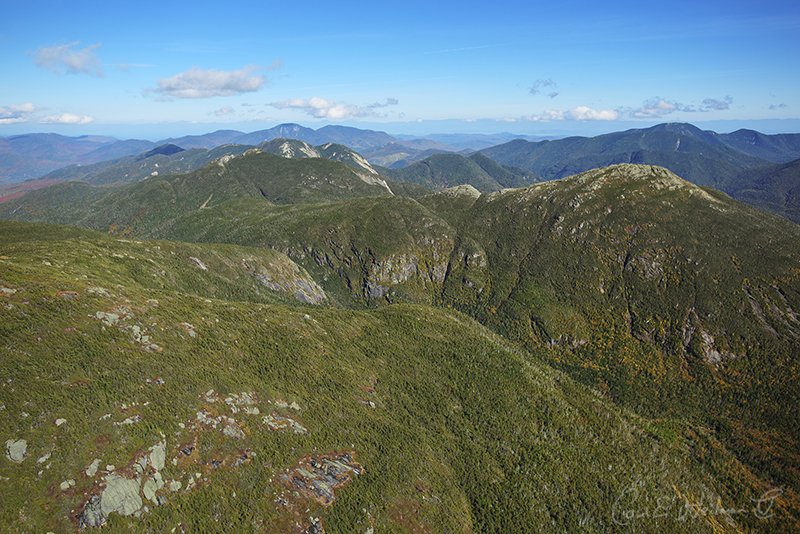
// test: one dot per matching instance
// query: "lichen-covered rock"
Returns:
(91, 470)
(121, 495)
(158, 455)
(151, 486)
(15, 449)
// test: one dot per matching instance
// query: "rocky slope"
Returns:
(137, 405)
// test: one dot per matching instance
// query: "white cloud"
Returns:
(548, 115)
(206, 83)
(583, 113)
(656, 108)
(716, 105)
(322, 108)
(224, 110)
(66, 118)
(16, 113)
(63, 58)
(579, 113)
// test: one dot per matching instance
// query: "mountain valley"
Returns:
(291, 338)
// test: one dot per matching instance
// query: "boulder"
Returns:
(15, 449)
(158, 455)
(121, 495)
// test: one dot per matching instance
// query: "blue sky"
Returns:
(155, 69)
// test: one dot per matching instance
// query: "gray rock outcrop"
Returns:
(121, 495)
(15, 449)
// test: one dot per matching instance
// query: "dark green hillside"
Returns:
(418, 156)
(671, 298)
(60, 203)
(507, 176)
(366, 250)
(777, 147)
(442, 171)
(134, 408)
(148, 207)
(683, 153)
(774, 188)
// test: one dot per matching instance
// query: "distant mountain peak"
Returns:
(296, 148)
(166, 150)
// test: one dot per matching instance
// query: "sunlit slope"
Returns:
(142, 409)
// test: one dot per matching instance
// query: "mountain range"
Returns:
(24, 157)
(283, 340)
(728, 162)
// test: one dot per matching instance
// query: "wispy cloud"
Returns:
(224, 110)
(658, 107)
(66, 118)
(322, 108)
(710, 104)
(773, 107)
(66, 59)
(579, 113)
(16, 113)
(538, 85)
(124, 66)
(202, 83)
